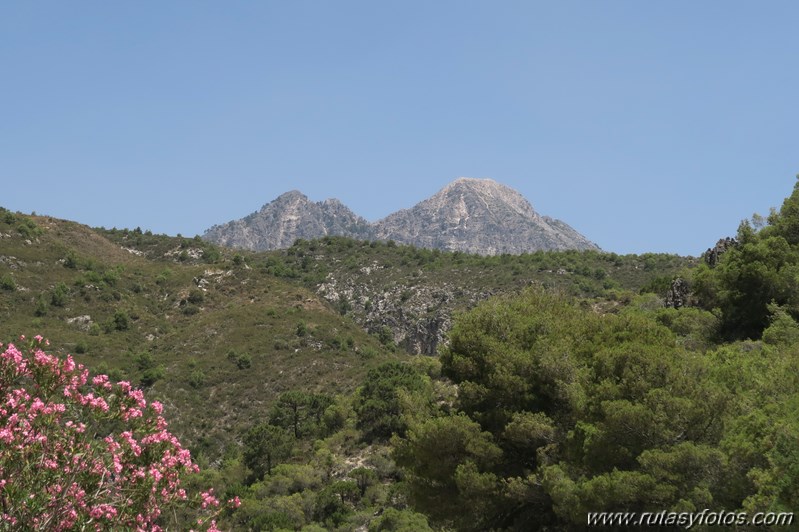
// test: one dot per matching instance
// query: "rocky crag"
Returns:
(291, 216)
(470, 215)
(415, 316)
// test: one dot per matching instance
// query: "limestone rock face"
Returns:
(479, 216)
(471, 215)
(291, 216)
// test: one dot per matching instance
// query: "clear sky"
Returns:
(647, 126)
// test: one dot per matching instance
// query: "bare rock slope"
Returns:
(471, 215)
(291, 216)
(479, 216)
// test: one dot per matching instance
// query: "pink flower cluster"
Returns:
(80, 453)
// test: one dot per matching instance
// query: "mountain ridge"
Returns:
(470, 215)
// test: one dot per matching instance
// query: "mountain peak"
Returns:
(291, 195)
(469, 214)
(479, 216)
(473, 181)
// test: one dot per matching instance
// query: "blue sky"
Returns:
(647, 126)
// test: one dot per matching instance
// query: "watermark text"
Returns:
(688, 520)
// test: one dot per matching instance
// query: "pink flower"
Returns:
(208, 499)
(127, 479)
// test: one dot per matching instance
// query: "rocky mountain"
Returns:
(477, 216)
(291, 216)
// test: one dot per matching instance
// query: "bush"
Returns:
(197, 378)
(244, 361)
(121, 321)
(41, 307)
(28, 229)
(150, 376)
(80, 453)
(211, 255)
(196, 297)
(8, 283)
(58, 298)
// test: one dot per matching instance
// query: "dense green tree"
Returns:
(763, 268)
(581, 412)
(377, 402)
(265, 446)
(393, 520)
(445, 459)
(364, 477)
(300, 412)
(289, 412)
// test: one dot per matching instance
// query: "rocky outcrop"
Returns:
(416, 316)
(712, 255)
(471, 215)
(679, 293)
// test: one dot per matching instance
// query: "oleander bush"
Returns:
(80, 452)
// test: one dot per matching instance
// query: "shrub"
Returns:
(151, 375)
(121, 321)
(28, 229)
(58, 298)
(244, 361)
(196, 297)
(197, 378)
(110, 277)
(41, 307)
(81, 453)
(8, 283)
(211, 255)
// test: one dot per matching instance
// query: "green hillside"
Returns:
(562, 383)
(214, 338)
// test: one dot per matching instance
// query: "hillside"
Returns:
(477, 216)
(215, 339)
(175, 313)
(410, 295)
(307, 346)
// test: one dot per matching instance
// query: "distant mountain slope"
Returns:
(471, 215)
(289, 217)
(479, 216)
